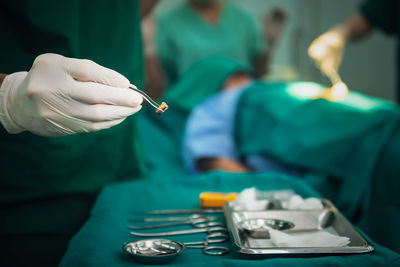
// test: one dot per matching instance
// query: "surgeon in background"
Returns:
(65, 71)
(327, 49)
(196, 29)
(208, 141)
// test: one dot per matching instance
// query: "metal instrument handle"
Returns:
(145, 96)
(182, 232)
(174, 219)
(218, 229)
(185, 211)
(195, 222)
(205, 224)
(215, 250)
(211, 238)
(216, 238)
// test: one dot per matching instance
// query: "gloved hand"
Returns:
(61, 96)
(327, 50)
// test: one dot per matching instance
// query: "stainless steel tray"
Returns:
(304, 220)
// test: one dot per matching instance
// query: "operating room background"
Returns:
(368, 66)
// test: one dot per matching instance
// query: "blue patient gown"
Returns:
(209, 133)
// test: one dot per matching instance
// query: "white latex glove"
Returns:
(61, 96)
(327, 51)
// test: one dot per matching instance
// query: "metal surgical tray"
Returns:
(303, 220)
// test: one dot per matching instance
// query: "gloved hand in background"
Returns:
(61, 96)
(327, 51)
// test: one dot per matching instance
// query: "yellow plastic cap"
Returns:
(215, 199)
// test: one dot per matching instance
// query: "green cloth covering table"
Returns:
(99, 242)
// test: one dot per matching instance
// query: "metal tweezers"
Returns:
(160, 108)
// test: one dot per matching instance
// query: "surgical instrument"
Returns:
(184, 211)
(211, 230)
(157, 251)
(200, 222)
(160, 108)
(172, 219)
(211, 250)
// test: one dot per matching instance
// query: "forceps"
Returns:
(208, 230)
(159, 108)
(185, 211)
(195, 221)
(174, 219)
(210, 239)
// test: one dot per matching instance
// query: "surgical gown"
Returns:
(183, 38)
(47, 185)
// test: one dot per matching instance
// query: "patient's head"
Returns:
(236, 79)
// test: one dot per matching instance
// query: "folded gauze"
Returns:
(296, 202)
(247, 200)
(315, 239)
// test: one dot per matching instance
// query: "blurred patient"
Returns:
(208, 141)
(239, 124)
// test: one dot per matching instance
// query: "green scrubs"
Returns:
(183, 37)
(48, 185)
(385, 15)
(194, 87)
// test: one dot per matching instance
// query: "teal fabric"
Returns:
(385, 200)
(161, 136)
(346, 144)
(203, 79)
(183, 37)
(48, 185)
(99, 242)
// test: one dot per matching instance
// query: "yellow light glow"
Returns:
(339, 91)
(305, 90)
(333, 39)
(317, 51)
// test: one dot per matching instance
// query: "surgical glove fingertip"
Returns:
(136, 109)
(118, 80)
(136, 98)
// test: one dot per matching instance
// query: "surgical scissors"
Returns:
(185, 211)
(210, 239)
(208, 230)
(195, 221)
(174, 219)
